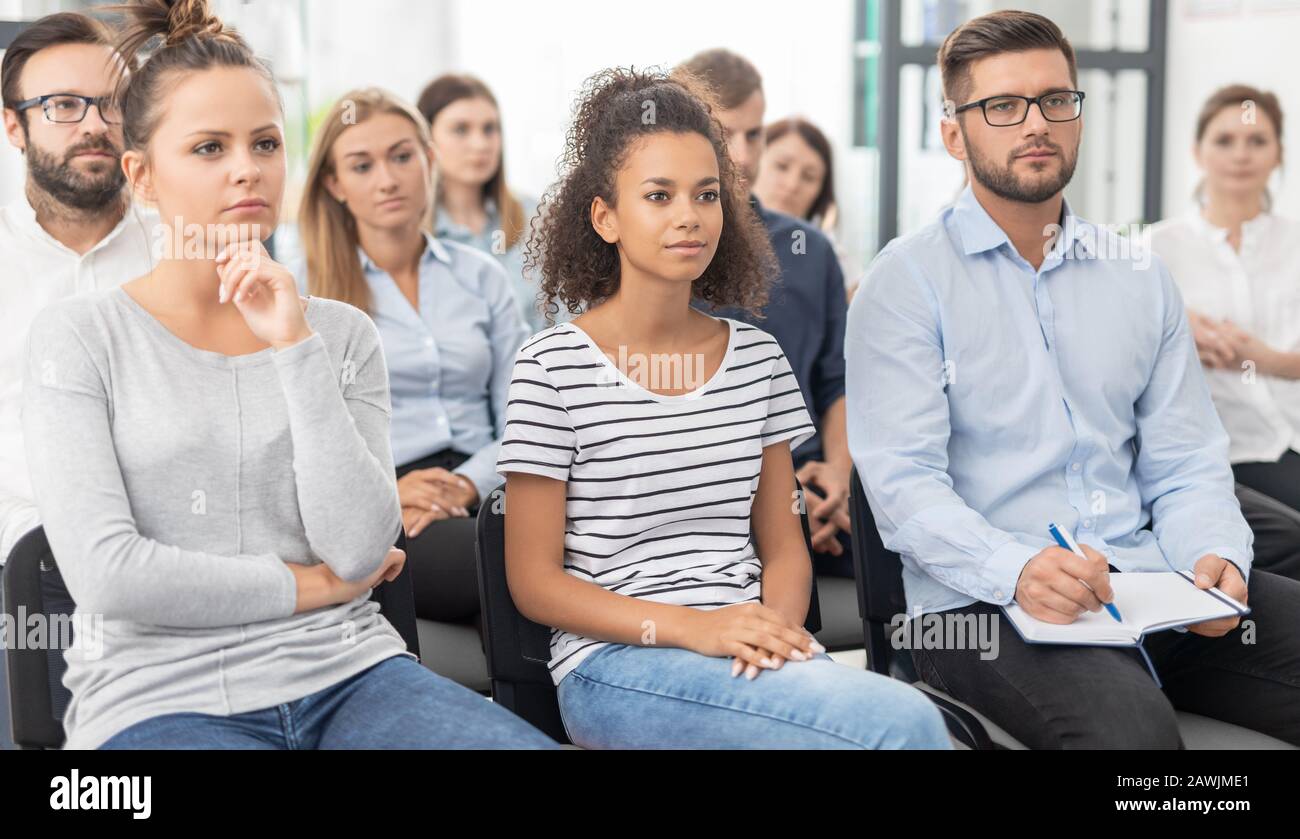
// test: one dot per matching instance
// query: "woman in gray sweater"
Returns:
(210, 454)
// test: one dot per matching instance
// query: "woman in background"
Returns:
(448, 321)
(1238, 269)
(796, 176)
(473, 202)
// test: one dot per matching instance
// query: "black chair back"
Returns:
(518, 650)
(879, 575)
(37, 697)
(396, 601)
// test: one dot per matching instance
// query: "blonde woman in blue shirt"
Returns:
(447, 319)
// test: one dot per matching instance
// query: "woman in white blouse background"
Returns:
(1238, 267)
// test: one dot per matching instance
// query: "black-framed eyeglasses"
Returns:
(72, 107)
(1002, 111)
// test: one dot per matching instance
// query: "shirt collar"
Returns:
(980, 233)
(1071, 225)
(433, 249)
(763, 213)
(444, 226)
(24, 216)
(1198, 223)
(1249, 228)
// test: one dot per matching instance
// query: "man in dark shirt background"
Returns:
(805, 312)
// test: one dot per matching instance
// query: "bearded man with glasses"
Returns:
(72, 230)
(1006, 372)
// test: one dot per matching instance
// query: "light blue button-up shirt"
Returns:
(450, 363)
(521, 282)
(987, 399)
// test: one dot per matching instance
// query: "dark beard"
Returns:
(1003, 182)
(84, 192)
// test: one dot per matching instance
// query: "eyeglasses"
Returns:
(1001, 111)
(71, 107)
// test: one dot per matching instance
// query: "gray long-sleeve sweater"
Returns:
(175, 485)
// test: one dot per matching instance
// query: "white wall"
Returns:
(394, 44)
(11, 162)
(537, 63)
(1216, 43)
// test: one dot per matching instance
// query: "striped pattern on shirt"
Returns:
(659, 488)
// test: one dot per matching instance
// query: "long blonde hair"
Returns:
(327, 227)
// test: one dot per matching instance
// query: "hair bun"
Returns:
(188, 19)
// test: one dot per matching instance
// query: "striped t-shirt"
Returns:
(659, 487)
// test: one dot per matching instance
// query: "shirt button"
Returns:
(1074, 467)
(1087, 523)
(428, 342)
(442, 420)
(997, 595)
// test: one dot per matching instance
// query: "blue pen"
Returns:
(1066, 541)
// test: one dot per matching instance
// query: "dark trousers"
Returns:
(1277, 532)
(1054, 696)
(441, 558)
(1280, 479)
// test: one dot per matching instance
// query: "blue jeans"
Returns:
(396, 704)
(626, 697)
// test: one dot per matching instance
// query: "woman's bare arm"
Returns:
(543, 592)
(778, 531)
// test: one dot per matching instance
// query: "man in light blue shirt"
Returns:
(1006, 370)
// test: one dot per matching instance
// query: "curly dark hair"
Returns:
(578, 267)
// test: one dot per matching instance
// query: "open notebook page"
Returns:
(1148, 602)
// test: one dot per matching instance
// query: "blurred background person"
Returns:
(1237, 266)
(796, 176)
(473, 202)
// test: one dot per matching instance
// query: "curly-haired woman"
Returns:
(649, 493)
